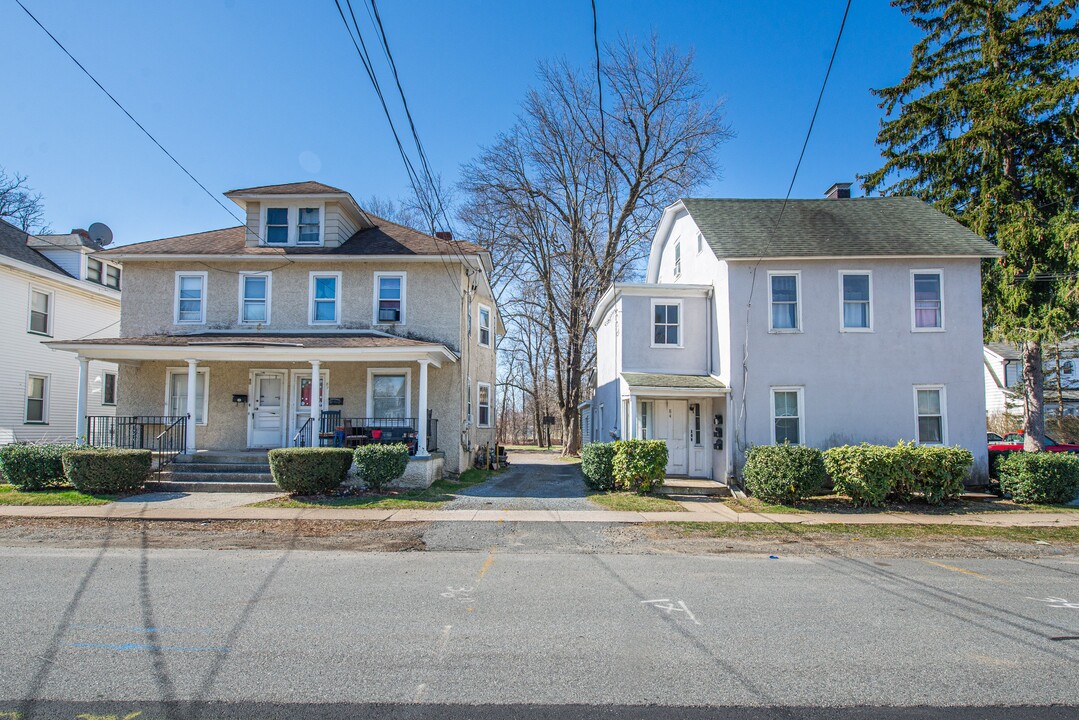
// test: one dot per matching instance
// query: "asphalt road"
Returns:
(533, 481)
(109, 632)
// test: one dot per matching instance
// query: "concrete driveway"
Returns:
(533, 481)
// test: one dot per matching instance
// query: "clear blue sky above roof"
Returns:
(249, 93)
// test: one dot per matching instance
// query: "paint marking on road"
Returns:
(144, 646)
(1057, 602)
(487, 564)
(129, 716)
(669, 606)
(443, 641)
(953, 568)
(420, 690)
(141, 630)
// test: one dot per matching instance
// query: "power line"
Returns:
(602, 121)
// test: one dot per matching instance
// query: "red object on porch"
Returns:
(376, 434)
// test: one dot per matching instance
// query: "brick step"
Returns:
(687, 486)
(229, 487)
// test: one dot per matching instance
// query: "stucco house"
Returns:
(313, 321)
(820, 322)
(53, 286)
(1003, 369)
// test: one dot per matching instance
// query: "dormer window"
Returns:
(308, 226)
(292, 225)
(102, 273)
(277, 226)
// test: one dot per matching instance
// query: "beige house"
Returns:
(317, 323)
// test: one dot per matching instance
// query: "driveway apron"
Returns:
(533, 481)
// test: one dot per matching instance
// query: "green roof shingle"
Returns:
(663, 380)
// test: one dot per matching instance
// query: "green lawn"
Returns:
(842, 504)
(432, 498)
(632, 502)
(876, 532)
(54, 496)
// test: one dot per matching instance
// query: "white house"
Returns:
(819, 322)
(53, 286)
(1003, 369)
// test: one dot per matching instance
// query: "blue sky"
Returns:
(247, 93)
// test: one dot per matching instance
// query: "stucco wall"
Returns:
(638, 355)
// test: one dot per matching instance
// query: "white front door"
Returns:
(301, 399)
(266, 416)
(677, 414)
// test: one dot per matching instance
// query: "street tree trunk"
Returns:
(1033, 387)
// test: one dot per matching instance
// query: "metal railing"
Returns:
(302, 438)
(164, 435)
(171, 442)
(392, 430)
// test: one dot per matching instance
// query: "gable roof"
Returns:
(855, 227)
(385, 238)
(13, 245)
(1011, 351)
(307, 187)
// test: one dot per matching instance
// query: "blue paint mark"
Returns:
(144, 646)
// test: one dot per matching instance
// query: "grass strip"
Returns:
(10, 495)
(440, 493)
(874, 532)
(632, 502)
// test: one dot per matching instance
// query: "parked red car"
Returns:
(1013, 442)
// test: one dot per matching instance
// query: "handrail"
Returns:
(174, 449)
(304, 430)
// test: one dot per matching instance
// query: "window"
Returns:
(389, 393)
(644, 421)
(695, 424)
(324, 305)
(783, 302)
(254, 298)
(485, 326)
(928, 300)
(483, 400)
(108, 388)
(700, 243)
(277, 226)
(1013, 373)
(1067, 368)
(857, 300)
(176, 389)
(308, 226)
(677, 258)
(929, 405)
(40, 312)
(112, 276)
(94, 270)
(390, 298)
(190, 297)
(666, 323)
(787, 416)
(37, 399)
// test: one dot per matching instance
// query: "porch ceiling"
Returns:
(260, 347)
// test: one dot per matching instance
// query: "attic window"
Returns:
(308, 225)
(277, 226)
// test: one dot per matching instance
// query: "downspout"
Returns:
(711, 328)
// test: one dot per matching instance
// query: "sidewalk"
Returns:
(697, 512)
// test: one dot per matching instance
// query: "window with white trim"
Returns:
(390, 297)
(1067, 368)
(40, 320)
(108, 388)
(389, 395)
(695, 424)
(190, 298)
(644, 420)
(277, 226)
(857, 302)
(94, 270)
(324, 292)
(787, 419)
(112, 277)
(102, 273)
(37, 399)
(176, 393)
(308, 226)
(485, 326)
(700, 243)
(929, 406)
(927, 297)
(254, 298)
(666, 323)
(483, 402)
(783, 291)
(677, 258)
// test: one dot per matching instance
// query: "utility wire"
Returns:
(602, 124)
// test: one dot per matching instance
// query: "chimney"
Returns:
(838, 191)
(444, 235)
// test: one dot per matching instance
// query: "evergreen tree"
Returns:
(984, 126)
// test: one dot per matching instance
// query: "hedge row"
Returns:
(634, 465)
(310, 471)
(1042, 477)
(38, 466)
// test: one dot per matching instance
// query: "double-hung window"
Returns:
(112, 277)
(40, 321)
(37, 399)
(390, 297)
(108, 388)
(666, 323)
(325, 291)
(787, 419)
(190, 297)
(308, 227)
(254, 298)
(483, 401)
(176, 389)
(389, 394)
(94, 270)
(857, 304)
(929, 405)
(783, 291)
(927, 291)
(485, 325)
(277, 226)
(677, 258)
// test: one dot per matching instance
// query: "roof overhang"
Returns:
(667, 392)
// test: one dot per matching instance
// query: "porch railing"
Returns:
(388, 430)
(302, 438)
(164, 435)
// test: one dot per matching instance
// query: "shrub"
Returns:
(33, 466)
(597, 464)
(309, 470)
(1042, 477)
(783, 473)
(936, 472)
(379, 464)
(108, 471)
(639, 465)
(866, 473)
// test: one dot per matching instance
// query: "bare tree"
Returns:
(20, 205)
(567, 199)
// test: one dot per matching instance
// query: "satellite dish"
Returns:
(100, 233)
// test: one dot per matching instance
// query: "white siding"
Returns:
(69, 260)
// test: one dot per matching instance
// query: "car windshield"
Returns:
(1018, 438)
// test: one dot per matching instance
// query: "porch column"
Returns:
(316, 398)
(421, 431)
(80, 401)
(192, 402)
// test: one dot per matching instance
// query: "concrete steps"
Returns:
(217, 471)
(693, 487)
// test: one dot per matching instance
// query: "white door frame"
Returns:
(294, 398)
(251, 374)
